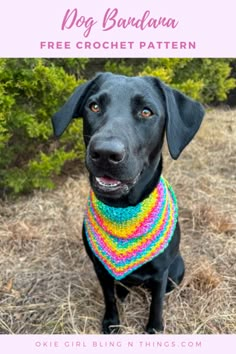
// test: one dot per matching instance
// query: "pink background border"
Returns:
(211, 24)
(35, 344)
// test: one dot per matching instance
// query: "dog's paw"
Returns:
(110, 326)
(154, 329)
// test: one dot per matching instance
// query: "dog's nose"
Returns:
(112, 151)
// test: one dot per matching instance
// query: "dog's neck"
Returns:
(147, 183)
(143, 187)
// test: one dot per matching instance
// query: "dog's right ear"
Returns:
(184, 117)
(72, 108)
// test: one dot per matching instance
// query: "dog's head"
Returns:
(125, 119)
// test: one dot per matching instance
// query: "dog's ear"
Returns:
(72, 108)
(184, 117)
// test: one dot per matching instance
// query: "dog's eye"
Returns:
(146, 113)
(94, 107)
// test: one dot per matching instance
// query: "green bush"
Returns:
(207, 80)
(72, 66)
(31, 90)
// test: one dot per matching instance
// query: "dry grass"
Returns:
(47, 282)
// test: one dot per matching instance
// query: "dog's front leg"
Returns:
(158, 289)
(111, 318)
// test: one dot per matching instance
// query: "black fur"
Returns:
(123, 145)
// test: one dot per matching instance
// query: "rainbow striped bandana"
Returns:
(124, 239)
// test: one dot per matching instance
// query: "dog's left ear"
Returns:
(73, 106)
(184, 117)
(71, 109)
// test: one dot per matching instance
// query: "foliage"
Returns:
(72, 66)
(31, 90)
(129, 67)
(207, 80)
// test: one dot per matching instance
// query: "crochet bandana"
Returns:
(124, 239)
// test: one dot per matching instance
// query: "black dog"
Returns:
(125, 119)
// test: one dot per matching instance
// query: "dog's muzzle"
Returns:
(108, 163)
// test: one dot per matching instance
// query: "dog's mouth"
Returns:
(107, 182)
(111, 185)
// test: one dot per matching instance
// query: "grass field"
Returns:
(47, 283)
